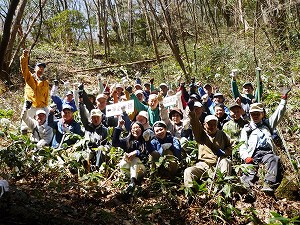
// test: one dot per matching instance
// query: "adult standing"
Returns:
(36, 88)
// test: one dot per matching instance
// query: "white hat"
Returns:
(138, 92)
(256, 107)
(143, 114)
(209, 118)
(198, 104)
(96, 112)
(40, 111)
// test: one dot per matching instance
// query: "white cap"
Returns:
(40, 111)
(209, 118)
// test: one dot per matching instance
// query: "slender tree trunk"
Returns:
(4, 76)
(171, 38)
(130, 24)
(14, 31)
(91, 42)
(152, 34)
(115, 25)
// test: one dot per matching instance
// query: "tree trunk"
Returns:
(115, 24)
(15, 28)
(130, 24)
(4, 76)
(91, 42)
(152, 34)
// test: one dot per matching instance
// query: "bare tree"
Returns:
(4, 76)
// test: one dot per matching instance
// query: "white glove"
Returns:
(204, 98)
(233, 73)
(186, 124)
(166, 146)
(123, 108)
(146, 135)
(54, 90)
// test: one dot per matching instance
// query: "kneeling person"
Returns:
(214, 146)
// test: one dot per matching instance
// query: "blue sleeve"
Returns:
(125, 117)
(116, 141)
(77, 129)
(57, 100)
(176, 148)
(138, 81)
(201, 91)
(154, 145)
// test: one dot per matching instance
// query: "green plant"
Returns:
(279, 219)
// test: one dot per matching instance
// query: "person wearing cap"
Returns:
(221, 115)
(36, 87)
(135, 152)
(164, 144)
(143, 118)
(64, 126)
(140, 95)
(95, 135)
(117, 93)
(68, 99)
(246, 98)
(164, 89)
(174, 121)
(148, 88)
(214, 148)
(258, 146)
(42, 134)
(218, 98)
(206, 89)
(236, 123)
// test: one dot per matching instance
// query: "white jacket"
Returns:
(261, 136)
(42, 135)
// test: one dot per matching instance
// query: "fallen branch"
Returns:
(118, 65)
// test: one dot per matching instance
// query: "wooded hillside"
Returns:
(171, 41)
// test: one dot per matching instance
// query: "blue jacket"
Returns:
(60, 102)
(156, 145)
(128, 144)
(61, 129)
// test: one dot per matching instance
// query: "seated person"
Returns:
(63, 126)
(164, 144)
(136, 155)
(174, 121)
(258, 146)
(214, 146)
(95, 133)
(42, 134)
(68, 99)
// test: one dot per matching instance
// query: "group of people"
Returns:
(154, 130)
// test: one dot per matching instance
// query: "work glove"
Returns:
(123, 108)
(147, 135)
(28, 104)
(204, 98)
(191, 104)
(129, 89)
(80, 87)
(220, 153)
(233, 73)
(166, 146)
(284, 92)
(249, 160)
(151, 80)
